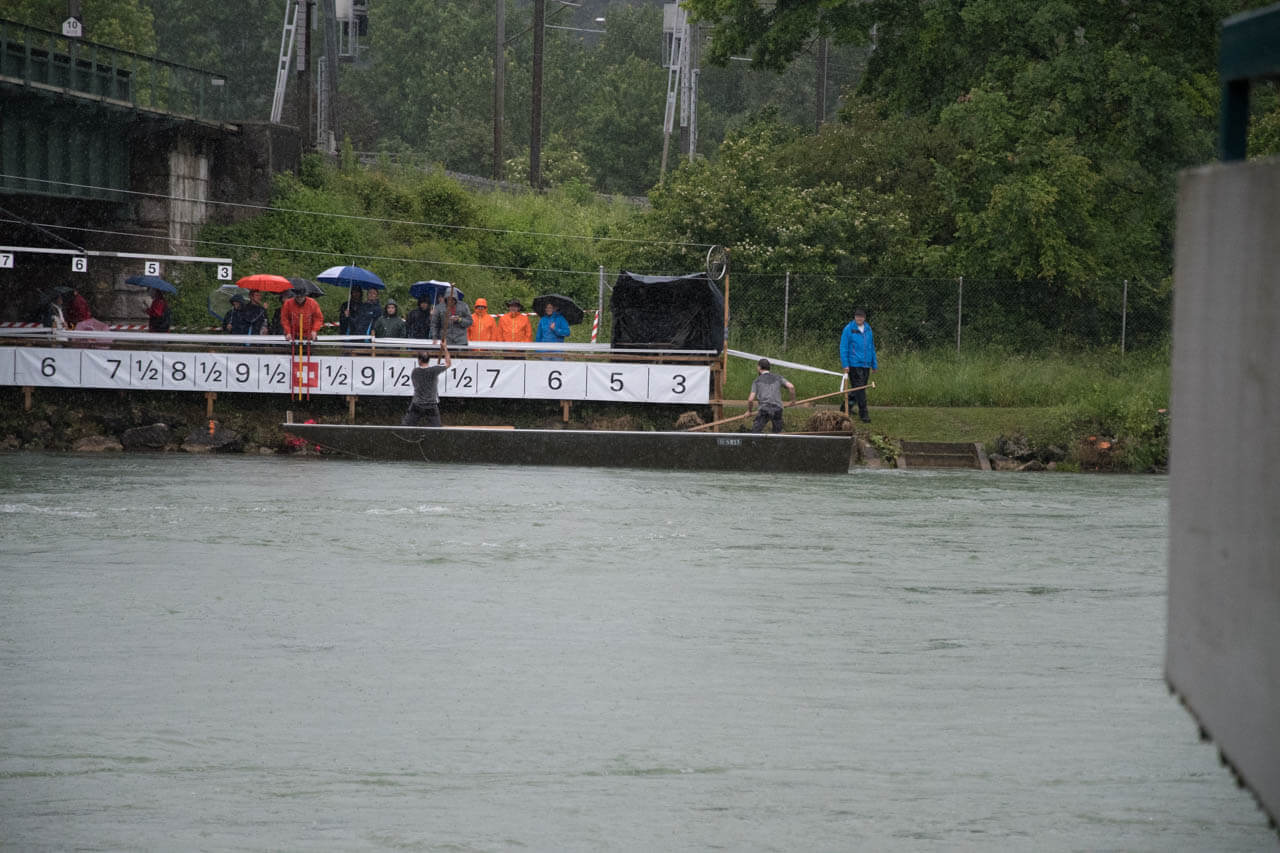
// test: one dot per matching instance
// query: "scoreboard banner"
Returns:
(361, 375)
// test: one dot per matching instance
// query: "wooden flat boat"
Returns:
(697, 451)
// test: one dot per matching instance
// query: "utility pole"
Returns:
(686, 87)
(821, 98)
(327, 130)
(499, 86)
(303, 64)
(675, 22)
(535, 123)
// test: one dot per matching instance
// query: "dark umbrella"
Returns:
(151, 282)
(566, 306)
(351, 276)
(307, 286)
(53, 293)
(431, 290)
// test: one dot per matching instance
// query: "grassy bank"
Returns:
(1052, 398)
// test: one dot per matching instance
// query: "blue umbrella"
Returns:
(351, 277)
(431, 290)
(152, 282)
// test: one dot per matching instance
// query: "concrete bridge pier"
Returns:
(1223, 647)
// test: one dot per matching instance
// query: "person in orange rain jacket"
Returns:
(483, 326)
(514, 325)
(301, 313)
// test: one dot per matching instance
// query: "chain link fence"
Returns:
(961, 313)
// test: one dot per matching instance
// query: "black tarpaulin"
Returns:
(667, 312)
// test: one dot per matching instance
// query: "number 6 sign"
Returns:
(80, 264)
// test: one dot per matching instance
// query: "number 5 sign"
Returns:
(151, 268)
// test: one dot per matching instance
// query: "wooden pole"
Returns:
(351, 408)
(209, 397)
(796, 404)
(724, 352)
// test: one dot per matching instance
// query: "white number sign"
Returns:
(105, 369)
(621, 382)
(224, 272)
(555, 380)
(59, 368)
(211, 372)
(6, 260)
(79, 264)
(151, 268)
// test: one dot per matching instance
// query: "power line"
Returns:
(284, 249)
(272, 209)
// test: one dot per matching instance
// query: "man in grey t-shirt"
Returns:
(426, 397)
(767, 389)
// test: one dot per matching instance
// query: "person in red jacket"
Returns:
(77, 309)
(158, 315)
(301, 316)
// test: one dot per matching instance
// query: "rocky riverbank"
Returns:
(113, 421)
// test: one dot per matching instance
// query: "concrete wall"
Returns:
(1223, 649)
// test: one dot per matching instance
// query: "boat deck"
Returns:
(589, 448)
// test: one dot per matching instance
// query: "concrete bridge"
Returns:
(115, 152)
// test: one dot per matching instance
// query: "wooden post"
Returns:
(209, 397)
(564, 410)
(718, 411)
(351, 408)
(717, 394)
(26, 398)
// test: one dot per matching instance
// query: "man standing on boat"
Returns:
(767, 390)
(858, 358)
(426, 397)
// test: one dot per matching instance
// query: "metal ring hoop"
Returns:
(717, 262)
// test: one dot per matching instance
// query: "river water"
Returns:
(273, 653)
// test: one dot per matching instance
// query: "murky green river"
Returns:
(271, 654)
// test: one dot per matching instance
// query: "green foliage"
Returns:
(126, 24)
(419, 226)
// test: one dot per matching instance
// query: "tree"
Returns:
(126, 24)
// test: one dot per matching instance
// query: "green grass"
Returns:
(1097, 379)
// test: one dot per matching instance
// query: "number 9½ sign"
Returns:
(151, 268)
(79, 264)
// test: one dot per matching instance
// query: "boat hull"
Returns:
(590, 448)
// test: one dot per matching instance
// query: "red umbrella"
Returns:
(266, 283)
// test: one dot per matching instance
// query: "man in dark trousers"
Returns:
(858, 358)
(767, 389)
(426, 397)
